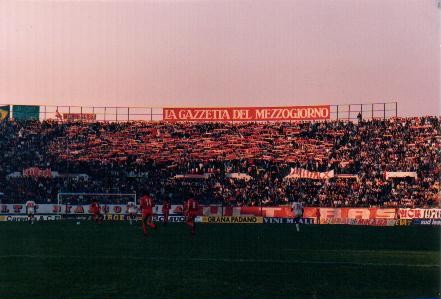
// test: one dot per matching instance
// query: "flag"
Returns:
(26, 112)
(306, 174)
(58, 115)
(4, 113)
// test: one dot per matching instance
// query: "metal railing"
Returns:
(344, 112)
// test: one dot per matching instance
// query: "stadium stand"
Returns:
(230, 163)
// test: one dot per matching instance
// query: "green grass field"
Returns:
(57, 260)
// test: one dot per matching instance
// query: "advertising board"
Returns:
(294, 113)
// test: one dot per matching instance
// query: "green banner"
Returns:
(4, 113)
(21, 112)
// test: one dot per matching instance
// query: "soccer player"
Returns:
(132, 210)
(297, 210)
(96, 214)
(191, 208)
(30, 210)
(165, 210)
(147, 205)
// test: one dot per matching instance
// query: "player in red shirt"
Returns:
(191, 208)
(95, 210)
(147, 204)
(165, 210)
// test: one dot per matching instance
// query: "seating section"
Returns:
(171, 160)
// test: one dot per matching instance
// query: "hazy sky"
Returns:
(236, 52)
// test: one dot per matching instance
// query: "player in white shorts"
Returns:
(297, 210)
(132, 210)
(30, 210)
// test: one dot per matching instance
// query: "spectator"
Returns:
(127, 157)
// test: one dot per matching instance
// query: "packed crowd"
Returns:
(169, 160)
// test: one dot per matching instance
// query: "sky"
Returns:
(183, 53)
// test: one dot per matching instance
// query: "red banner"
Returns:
(369, 222)
(358, 213)
(420, 213)
(295, 113)
(308, 212)
(79, 116)
(37, 172)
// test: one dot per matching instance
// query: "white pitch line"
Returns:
(226, 260)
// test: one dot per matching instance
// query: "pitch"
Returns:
(114, 260)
